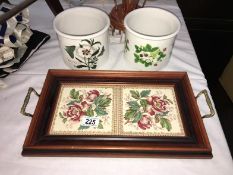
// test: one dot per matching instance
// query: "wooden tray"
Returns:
(117, 114)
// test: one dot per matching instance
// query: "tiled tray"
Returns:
(117, 114)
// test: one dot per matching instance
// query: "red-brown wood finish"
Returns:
(194, 145)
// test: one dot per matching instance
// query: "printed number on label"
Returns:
(87, 121)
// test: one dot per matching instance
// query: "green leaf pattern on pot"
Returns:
(86, 53)
(149, 55)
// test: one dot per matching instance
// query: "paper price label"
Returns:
(90, 121)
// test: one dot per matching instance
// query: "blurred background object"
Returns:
(120, 10)
(226, 79)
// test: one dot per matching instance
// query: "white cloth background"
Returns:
(14, 126)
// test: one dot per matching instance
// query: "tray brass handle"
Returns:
(212, 112)
(26, 101)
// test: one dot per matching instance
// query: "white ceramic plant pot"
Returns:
(83, 37)
(150, 35)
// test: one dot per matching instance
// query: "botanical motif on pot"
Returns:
(146, 110)
(86, 54)
(148, 55)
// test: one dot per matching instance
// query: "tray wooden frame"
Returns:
(194, 145)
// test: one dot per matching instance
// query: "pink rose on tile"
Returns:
(156, 105)
(76, 111)
(145, 122)
(92, 95)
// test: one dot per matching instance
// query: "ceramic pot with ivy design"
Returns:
(150, 35)
(83, 37)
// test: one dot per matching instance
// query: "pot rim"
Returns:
(92, 35)
(151, 37)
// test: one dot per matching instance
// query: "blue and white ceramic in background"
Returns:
(74, 3)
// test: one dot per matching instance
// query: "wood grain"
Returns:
(194, 144)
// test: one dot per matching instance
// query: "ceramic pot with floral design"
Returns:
(150, 35)
(83, 37)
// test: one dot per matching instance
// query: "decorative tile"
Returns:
(83, 110)
(122, 110)
(150, 111)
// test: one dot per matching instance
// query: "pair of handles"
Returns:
(32, 90)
